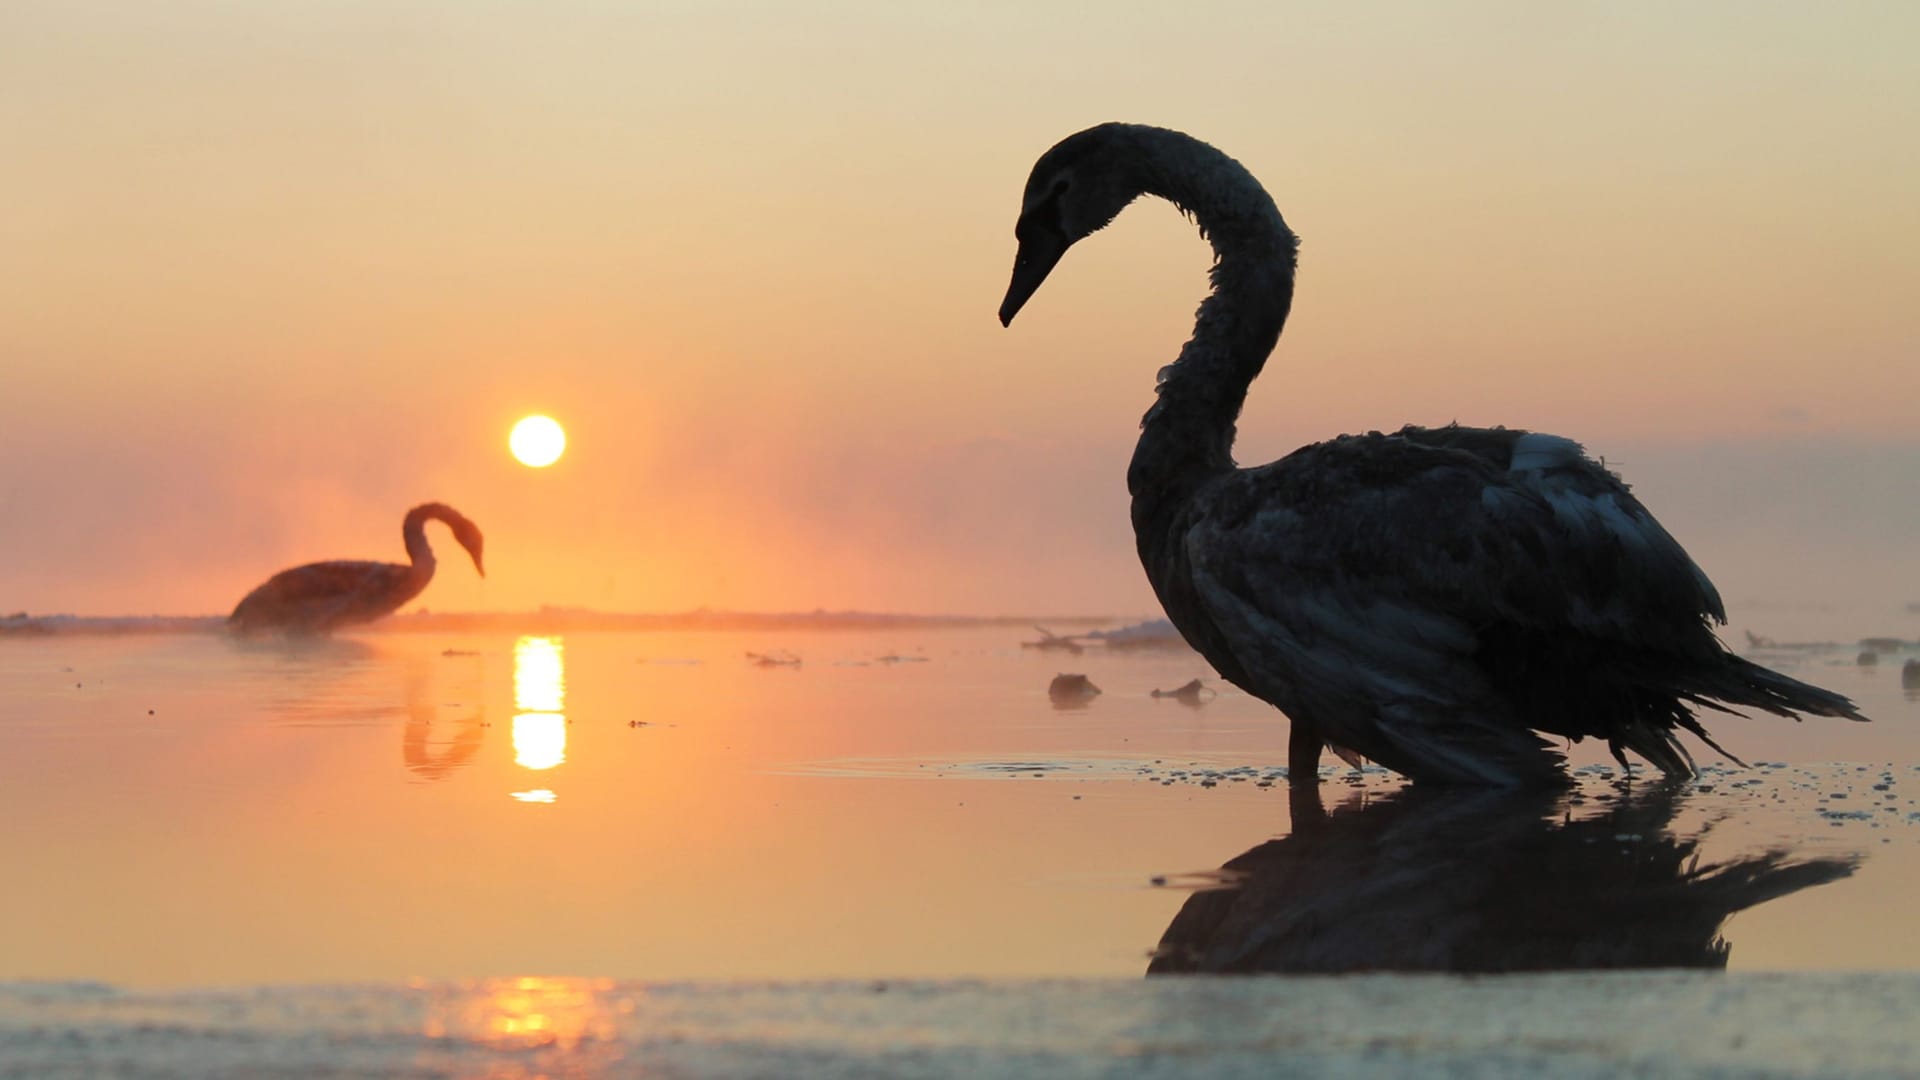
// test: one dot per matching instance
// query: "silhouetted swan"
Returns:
(1479, 881)
(1423, 598)
(320, 597)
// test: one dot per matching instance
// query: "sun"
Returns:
(537, 441)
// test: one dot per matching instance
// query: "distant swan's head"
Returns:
(464, 531)
(468, 534)
(1075, 189)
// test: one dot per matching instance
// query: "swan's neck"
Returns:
(414, 530)
(1188, 434)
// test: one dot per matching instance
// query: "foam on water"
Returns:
(1552, 1026)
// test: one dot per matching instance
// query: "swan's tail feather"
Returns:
(1739, 682)
(1747, 683)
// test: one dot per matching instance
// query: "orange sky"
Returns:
(269, 274)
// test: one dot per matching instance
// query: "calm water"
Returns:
(187, 810)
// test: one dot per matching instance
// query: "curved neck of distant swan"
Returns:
(1190, 429)
(414, 531)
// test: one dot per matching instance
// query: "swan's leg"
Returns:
(1304, 807)
(1303, 754)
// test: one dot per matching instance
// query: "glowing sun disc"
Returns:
(537, 441)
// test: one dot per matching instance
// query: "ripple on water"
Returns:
(1795, 799)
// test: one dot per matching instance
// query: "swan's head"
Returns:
(464, 531)
(468, 534)
(1075, 189)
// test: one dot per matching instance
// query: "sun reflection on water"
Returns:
(539, 740)
(540, 695)
(529, 1012)
(539, 675)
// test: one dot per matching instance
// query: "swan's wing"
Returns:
(320, 593)
(1576, 550)
(1361, 580)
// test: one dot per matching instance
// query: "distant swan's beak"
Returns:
(1035, 260)
(477, 566)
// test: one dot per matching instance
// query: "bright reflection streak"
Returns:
(539, 795)
(539, 675)
(525, 1013)
(539, 740)
(540, 691)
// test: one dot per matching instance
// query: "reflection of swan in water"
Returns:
(316, 680)
(1423, 598)
(342, 682)
(1478, 881)
(417, 749)
(320, 597)
(313, 657)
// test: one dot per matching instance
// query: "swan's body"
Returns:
(321, 597)
(1428, 599)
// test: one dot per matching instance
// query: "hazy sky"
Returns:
(272, 273)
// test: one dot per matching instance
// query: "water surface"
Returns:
(187, 810)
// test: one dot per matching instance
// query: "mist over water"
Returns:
(380, 234)
(1806, 536)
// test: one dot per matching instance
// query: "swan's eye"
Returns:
(1060, 186)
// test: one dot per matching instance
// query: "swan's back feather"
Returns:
(1465, 520)
(320, 596)
(1427, 597)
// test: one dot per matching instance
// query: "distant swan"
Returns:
(1427, 599)
(321, 597)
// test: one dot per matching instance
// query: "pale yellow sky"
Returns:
(271, 273)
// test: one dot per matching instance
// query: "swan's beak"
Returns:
(1035, 260)
(477, 566)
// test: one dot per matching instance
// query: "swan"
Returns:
(321, 597)
(1435, 599)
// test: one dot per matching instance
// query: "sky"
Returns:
(272, 273)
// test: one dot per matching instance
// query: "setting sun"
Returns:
(538, 441)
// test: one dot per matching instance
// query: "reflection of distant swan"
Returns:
(416, 747)
(1476, 881)
(320, 597)
(317, 657)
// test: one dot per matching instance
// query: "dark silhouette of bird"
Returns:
(1432, 599)
(321, 597)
